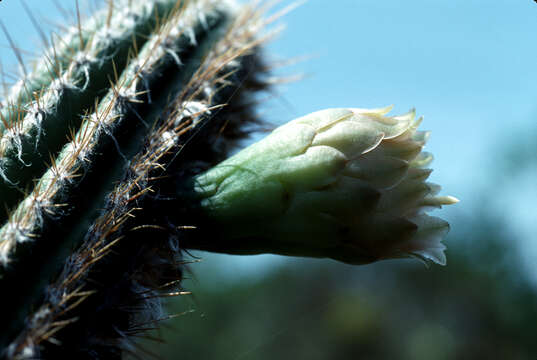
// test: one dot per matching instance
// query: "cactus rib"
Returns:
(27, 142)
(106, 137)
(219, 77)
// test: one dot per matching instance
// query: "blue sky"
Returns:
(468, 66)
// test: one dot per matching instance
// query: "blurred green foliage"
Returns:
(480, 306)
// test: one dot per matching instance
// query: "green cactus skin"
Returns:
(168, 95)
(109, 32)
(48, 68)
(142, 76)
(38, 126)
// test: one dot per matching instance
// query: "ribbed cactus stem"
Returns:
(38, 128)
(56, 213)
(102, 36)
(141, 78)
(222, 70)
(49, 67)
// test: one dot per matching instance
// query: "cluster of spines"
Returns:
(123, 23)
(53, 191)
(129, 89)
(197, 93)
(35, 125)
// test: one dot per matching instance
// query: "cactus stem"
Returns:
(191, 127)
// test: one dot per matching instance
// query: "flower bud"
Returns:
(349, 184)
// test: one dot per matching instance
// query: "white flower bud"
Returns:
(342, 183)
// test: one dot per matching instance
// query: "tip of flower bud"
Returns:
(427, 243)
(449, 200)
(379, 111)
(410, 116)
(422, 160)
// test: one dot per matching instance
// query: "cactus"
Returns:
(106, 166)
(122, 96)
(38, 106)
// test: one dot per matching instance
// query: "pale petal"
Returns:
(379, 111)
(317, 167)
(422, 160)
(406, 150)
(421, 136)
(418, 174)
(390, 126)
(381, 171)
(427, 241)
(348, 198)
(438, 201)
(323, 118)
(403, 198)
(350, 137)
